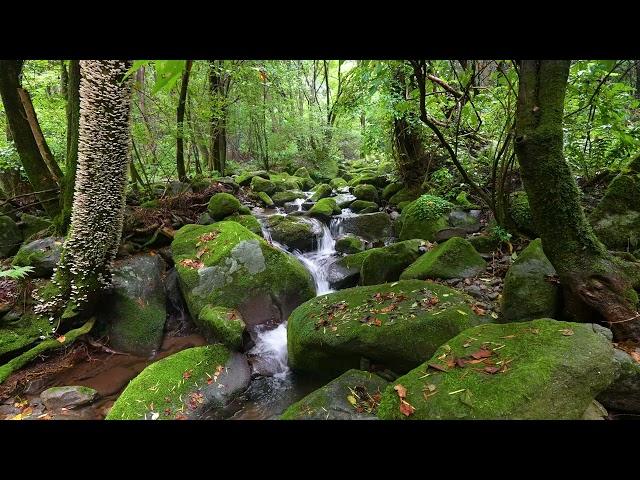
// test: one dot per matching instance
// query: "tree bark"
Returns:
(73, 125)
(182, 174)
(34, 165)
(99, 200)
(597, 285)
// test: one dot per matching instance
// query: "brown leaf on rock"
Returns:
(402, 391)
(482, 353)
(435, 366)
(406, 408)
(567, 332)
(190, 263)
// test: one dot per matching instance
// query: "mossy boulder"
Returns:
(363, 206)
(249, 222)
(221, 324)
(17, 334)
(372, 179)
(469, 222)
(245, 179)
(403, 195)
(624, 393)
(43, 255)
(351, 396)
(226, 265)
(70, 396)
(183, 385)
(321, 190)
(222, 205)
(520, 213)
(484, 243)
(287, 183)
(349, 244)
(324, 208)
(424, 218)
(395, 325)
(455, 258)
(343, 200)
(134, 313)
(616, 219)
(280, 198)
(302, 172)
(543, 369)
(528, 292)
(265, 198)
(10, 236)
(373, 227)
(366, 192)
(385, 264)
(32, 224)
(338, 183)
(259, 184)
(297, 233)
(391, 189)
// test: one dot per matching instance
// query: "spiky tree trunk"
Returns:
(34, 165)
(597, 285)
(99, 197)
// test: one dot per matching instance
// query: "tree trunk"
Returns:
(34, 165)
(64, 79)
(597, 285)
(182, 174)
(73, 125)
(99, 201)
(637, 78)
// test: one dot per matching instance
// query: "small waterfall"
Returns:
(270, 351)
(336, 222)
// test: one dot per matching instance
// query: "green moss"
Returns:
(363, 206)
(280, 198)
(301, 172)
(553, 371)
(385, 264)
(10, 236)
(366, 192)
(349, 244)
(139, 326)
(222, 324)
(403, 195)
(338, 183)
(520, 213)
(151, 204)
(424, 217)
(321, 190)
(244, 179)
(222, 205)
(266, 199)
(455, 258)
(378, 180)
(250, 222)
(26, 330)
(391, 189)
(25, 257)
(167, 383)
(327, 338)
(294, 232)
(324, 208)
(484, 243)
(259, 184)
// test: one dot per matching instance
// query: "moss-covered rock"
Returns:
(284, 183)
(624, 393)
(403, 195)
(302, 172)
(373, 227)
(321, 190)
(527, 292)
(363, 206)
(280, 198)
(69, 396)
(324, 208)
(259, 184)
(349, 244)
(366, 192)
(484, 243)
(10, 237)
(43, 255)
(396, 325)
(225, 264)
(455, 258)
(265, 198)
(16, 335)
(297, 233)
(391, 189)
(245, 179)
(183, 385)
(385, 264)
(520, 213)
(135, 312)
(338, 183)
(543, 369)
(32, 224)
(377, 180)
(352, 396)
(424, 218)
(224, 325)
(249, 222)
(222, 205)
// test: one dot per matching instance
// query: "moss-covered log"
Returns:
(597, 285)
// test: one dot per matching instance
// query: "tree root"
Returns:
(50, 344)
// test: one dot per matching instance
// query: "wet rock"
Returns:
(184, 385)
(222, 205)
(385, 264)
(551, 375)
(343, 200)
(595, 411)
(282, 198)
(135, 312)
(455, 258)
(266, 199)
(297, 233)
(43, 255)
(528, 292)
(447, 233)
(321, 190)
(349, 244)
(366, 192)
(484, 243)
(373, 227)
(10, 237)
(324, 208)
(624, 393)
(341, 275)
(68, 397)
(363, 206)
(348, 397)
(222, 324)
(331, 333)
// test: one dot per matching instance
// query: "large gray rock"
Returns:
(297, 233)
(10, 236)
(43, 255)
(624, 393)
(67, 397)
(374, 227)
(135, 312)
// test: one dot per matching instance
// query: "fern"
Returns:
(16, 273)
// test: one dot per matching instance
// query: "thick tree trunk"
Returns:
(34, 165)
(99, 200)
(182, 174)
(598, 286)
(73, 124)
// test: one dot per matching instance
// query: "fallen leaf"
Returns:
(406, 408)
(435, 366)
(61, 338)
(402, 391)
(187, 374)
(352, 400)
(491, 370)
(482, 353)
(567, 332)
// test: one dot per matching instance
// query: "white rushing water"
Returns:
(271, 343)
